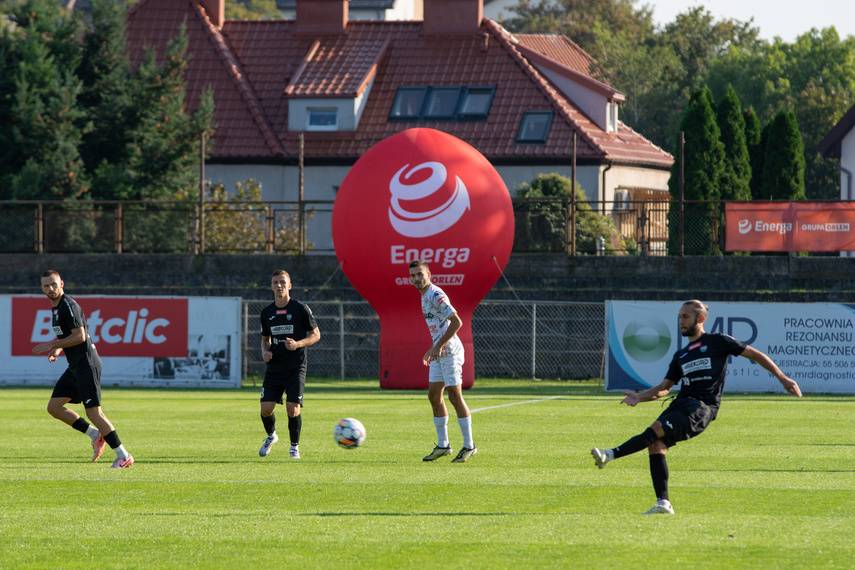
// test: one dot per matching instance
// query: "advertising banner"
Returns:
(812, 343)
(142, 341)
(790, 226)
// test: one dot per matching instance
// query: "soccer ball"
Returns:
(349, 433)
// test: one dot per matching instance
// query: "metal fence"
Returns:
(512, 339)
(625, 227)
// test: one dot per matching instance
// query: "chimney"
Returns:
(453, 17)
(216, 10)
(321, 17)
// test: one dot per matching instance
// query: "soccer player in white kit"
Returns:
(445, 358)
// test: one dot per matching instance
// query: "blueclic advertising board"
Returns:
(812, 343)
(142, 341)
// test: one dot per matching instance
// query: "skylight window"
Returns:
(446, 103)
(408, 102)
(534, 127)
(442, 102)
(476, 102)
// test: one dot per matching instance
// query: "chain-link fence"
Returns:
(513, 339)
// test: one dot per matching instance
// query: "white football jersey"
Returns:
(436, 310)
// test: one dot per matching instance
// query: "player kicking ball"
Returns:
(702, 368)
(445, 358)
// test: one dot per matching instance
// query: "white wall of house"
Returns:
(495, 8)
(586, 176)
(280, 183)
(593, 104)
(401, 10)
(847, 161)
(634, 177)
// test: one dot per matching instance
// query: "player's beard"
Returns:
(692, 330)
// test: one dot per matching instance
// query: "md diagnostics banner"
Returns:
(789, 226)
(812, 343)
(142, 341)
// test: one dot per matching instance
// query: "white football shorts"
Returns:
(447, 369)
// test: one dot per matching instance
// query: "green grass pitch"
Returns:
(769, 485)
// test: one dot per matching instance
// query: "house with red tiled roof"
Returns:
(343, 85)
(840, 143)
(368, 9)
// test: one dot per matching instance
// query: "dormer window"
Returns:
(447, 103)
(322, 120)
(534, 127)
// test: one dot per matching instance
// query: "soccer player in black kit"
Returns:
(701, 366)
(287, 328)
(81, 381)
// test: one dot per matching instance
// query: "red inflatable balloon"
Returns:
(421, 194)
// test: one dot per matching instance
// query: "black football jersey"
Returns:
(701, 367)
(294, 320)
(65, 317)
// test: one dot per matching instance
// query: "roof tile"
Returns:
(254, 66)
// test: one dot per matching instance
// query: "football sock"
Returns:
(112, 440)
(295, 424)
(81, 425)
(115, 444)
(466, 429)
(121, 452)
(441, 424)
(659, 473)
(637, 443)
(269, 423)
(93, 432)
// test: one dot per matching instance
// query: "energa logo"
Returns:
(425, 222)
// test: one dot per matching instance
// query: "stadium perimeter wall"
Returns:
(546, 277)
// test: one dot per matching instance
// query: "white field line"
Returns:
(513, 404)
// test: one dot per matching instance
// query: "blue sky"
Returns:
(784, 18)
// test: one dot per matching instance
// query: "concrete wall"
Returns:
(531, 276)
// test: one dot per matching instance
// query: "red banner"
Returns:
(790, 226)
(127, 326)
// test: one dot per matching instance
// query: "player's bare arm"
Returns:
(454, 324)
(763, 360)
(266, 353)
(311, 338)
(77, 336)
(652, 393)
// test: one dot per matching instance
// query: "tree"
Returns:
(82, 124)
(577, 19)
(703, 155)
(783, 162)
(814, 77)
(542, 227)
(736, 174)
(108, 96)
(641, 70)
(162, 147)
(40, 152)
(754, 143)
(237, 222)
(252, 10)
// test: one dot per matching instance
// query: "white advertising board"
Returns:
(812, 343)
(142, 341)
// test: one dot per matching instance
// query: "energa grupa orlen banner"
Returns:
(142, 341)
(812, 343)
